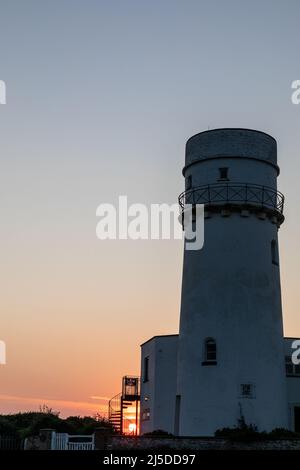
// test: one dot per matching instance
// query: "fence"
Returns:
(234, 193)
(10, 443)
(63, 441)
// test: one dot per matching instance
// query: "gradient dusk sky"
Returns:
(101, 98)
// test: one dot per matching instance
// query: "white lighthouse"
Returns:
(230, 352)
(227, 363)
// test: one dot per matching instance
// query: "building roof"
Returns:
(157, 336)
(168, 336)
(231, 143)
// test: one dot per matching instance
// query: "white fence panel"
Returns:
(64, 441)
(60, 441)
(80, 446)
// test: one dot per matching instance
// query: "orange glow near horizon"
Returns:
(69, 337)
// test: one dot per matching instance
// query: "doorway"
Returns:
(297, 419)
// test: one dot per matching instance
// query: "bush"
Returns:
(158, 433)
(7, 428)
(240, 433)
(30, 423)
(86, 424)
(250, 433)
(282, 433)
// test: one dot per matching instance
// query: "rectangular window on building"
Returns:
(189, 182)
(274, 252)
(247, 390)
(146, 369)
(223, 174)
(210, 352)
(296, 419)
(146, 414)
(289, 370)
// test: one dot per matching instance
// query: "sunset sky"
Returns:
(101, 98)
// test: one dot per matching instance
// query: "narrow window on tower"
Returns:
(289, 369)
(210, 352)
(274, 252)
(189, 182)
(223, 174)
(146, 369)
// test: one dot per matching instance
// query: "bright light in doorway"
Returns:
(132, 427)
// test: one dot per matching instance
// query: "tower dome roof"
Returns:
(231, 142)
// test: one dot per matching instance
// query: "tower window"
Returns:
(290, 368)
(223, 174)
(145, 414)
(146, 369)
(247, 390)
(210, 352)
(274, 252)
(189, 182)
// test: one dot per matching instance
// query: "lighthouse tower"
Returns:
(230, 350)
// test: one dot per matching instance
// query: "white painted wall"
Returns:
(231, 292)
(158, 394)
(161, 390)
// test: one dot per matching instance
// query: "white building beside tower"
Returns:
(228, 361)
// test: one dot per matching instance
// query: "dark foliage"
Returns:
(30, 423)
(6, 427)
(158, 433)
(249, 433)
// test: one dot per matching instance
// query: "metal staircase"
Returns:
(118, 405)
(115, 412)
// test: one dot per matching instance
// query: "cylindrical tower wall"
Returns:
(231, 292)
